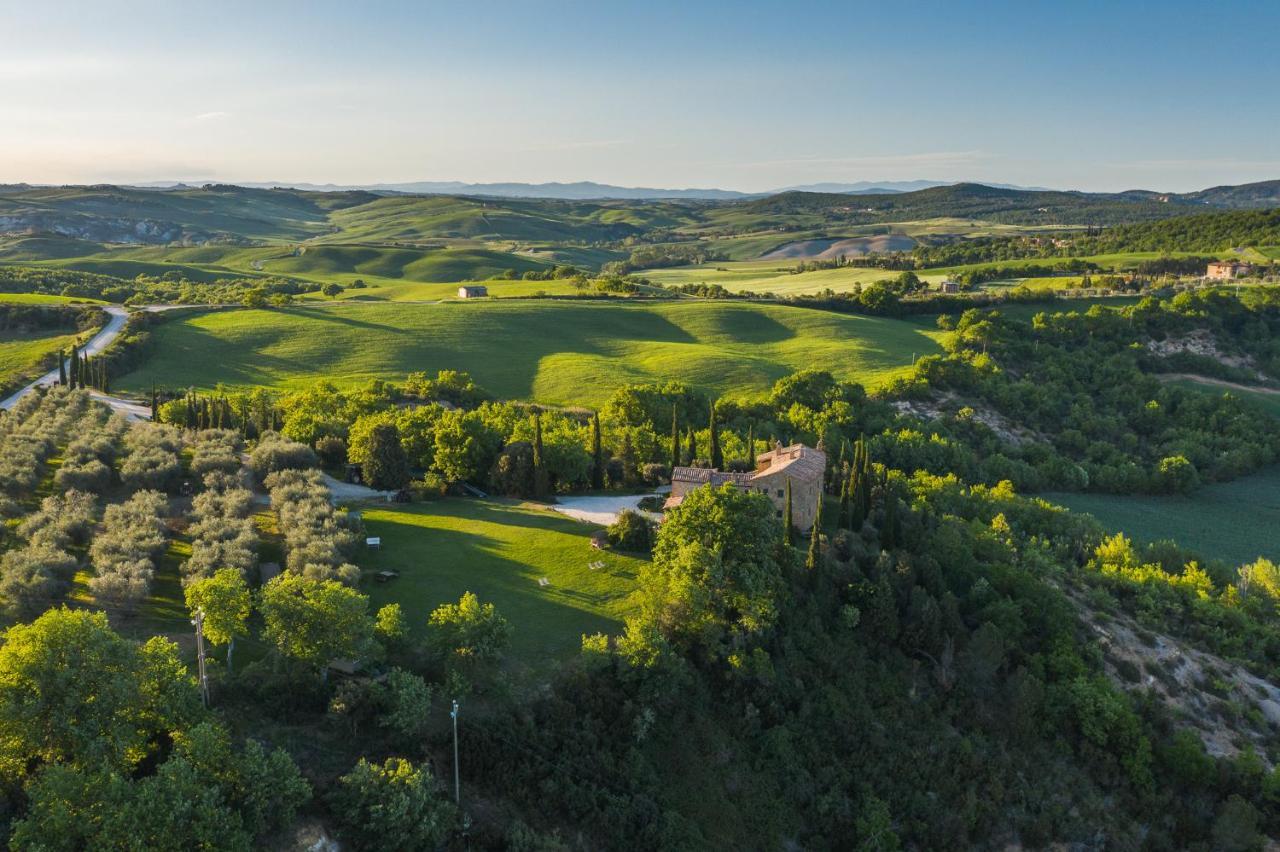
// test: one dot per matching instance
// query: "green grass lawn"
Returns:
(498, 550)
(1233, 521)
(554, 352)
(22, 355)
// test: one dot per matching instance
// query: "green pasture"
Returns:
(499, 550)
(1233, 521)
(552, 352)
(22, 355)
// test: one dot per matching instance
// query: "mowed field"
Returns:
(499, 550)
(560, 353)
(1235, 521)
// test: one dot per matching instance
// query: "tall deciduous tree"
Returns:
(716, 572)
(227, 603)
(315, 621)
(387, 467)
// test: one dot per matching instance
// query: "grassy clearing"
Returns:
(23, 355)
(1233, 521)
(1268, 402)
(498, 550)
(552, 352)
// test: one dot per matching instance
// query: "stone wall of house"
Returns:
(804, 497)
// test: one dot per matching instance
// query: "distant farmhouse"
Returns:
(949, 286)
(804, 466)
(1226, 269)
(476, 291)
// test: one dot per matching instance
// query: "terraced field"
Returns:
(552, 352)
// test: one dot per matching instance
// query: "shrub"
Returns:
(631, 531)
(275, 453)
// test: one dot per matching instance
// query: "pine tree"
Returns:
(539, 465)
(815, 538)
(788, 532)
(597, 454)
(62, 368)
(717, 457)
(675, 440)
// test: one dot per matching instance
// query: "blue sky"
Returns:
(746, 95)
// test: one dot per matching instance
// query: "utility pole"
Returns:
(198, 621)
(457, 787)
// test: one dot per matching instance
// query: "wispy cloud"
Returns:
(216, 115)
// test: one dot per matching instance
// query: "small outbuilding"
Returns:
(475, 291)
(949, 286)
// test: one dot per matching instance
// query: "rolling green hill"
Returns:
(129, 215)
(553, 352)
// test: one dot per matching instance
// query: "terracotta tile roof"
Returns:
(796, 460)
(704, 475)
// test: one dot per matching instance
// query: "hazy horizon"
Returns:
(749, 96)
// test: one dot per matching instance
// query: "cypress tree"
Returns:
(74, 368)
(62, 368)
(539, 467)
(717, 457)
(597, 454)
(815, 538)
(751, 446)
(842, 520)
(675, 440)
(788, 532)
(693, 446)
(155, 403)
(889, 525)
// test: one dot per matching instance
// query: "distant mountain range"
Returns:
(586, 190)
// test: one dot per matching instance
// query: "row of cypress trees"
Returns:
(82, 371)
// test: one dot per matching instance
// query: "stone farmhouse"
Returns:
(477, 291)
(804, 466)
(1227, 269)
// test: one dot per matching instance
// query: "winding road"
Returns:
(116, 319)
